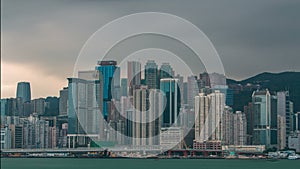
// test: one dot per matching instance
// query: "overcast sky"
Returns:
(40, 40)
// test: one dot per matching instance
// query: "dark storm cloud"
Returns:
(250, 36)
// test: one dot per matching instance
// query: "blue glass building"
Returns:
(171, 91)
(23, 91)
(110, 76)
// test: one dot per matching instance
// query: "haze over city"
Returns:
(42, 39)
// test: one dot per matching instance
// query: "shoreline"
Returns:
(155, 158)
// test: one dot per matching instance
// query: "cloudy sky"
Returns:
(40, 40)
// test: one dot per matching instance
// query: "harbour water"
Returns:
(73, 163)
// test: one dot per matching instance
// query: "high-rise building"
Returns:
(208, 114)
(285, 113)
(141, 105)
(51, 106)
(63, 101)
(281, 132)
(11, 107)
(27, 109)
(204, 77)
(84, 117)
(133, 75)
(146, 126)
(3, 105)
(239, 128)
(166, 71)
(264, 122)
(110, 76)
(192, 91)
(180, 84)
(155, 110)
(129, 127)
(27, 141)
(185, 93)
(248, 110)
(42, 134)
(124, 88)
(38, 106)
(172, 102)
(5, 138)
(234, 127)
(227, 91)
(227, 126)
(201, 117)
(23, 91)
(217, 79)
(151, 75)
(16, 135)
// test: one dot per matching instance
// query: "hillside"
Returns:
(273, 81)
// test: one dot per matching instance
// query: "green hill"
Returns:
(289, 81)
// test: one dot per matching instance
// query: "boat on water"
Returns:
(293, 157)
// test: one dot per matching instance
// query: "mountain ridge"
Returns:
(282, 81)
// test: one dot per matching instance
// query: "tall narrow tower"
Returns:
(23, 91)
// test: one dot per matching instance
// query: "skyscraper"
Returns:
(172, 102)
(151, 74)
(38, 106)
(63, 101)
(180, 84)
(284, 110)
(239, 128)
(166, 71)
(234, 127)
(185, 93)
(192, 91)
(141, 105)
(208, 115)
(146, 126)
(3, 105)
(110, 76)
(5, 138)
(23, 91)
(227, 126)
(84, 118)
(201, 117)
(227, 91)
(264, 130)
(133, 75)
(51, 106)
(124, 87)
(204, 77)
(248, 110)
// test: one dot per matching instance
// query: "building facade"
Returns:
(151, 75)
(109, 75)
(171, 101)
(133, 75)
(24, 91)
(264, 125)
(84, 114)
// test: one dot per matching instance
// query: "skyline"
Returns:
(262, 33)
(122, 77)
